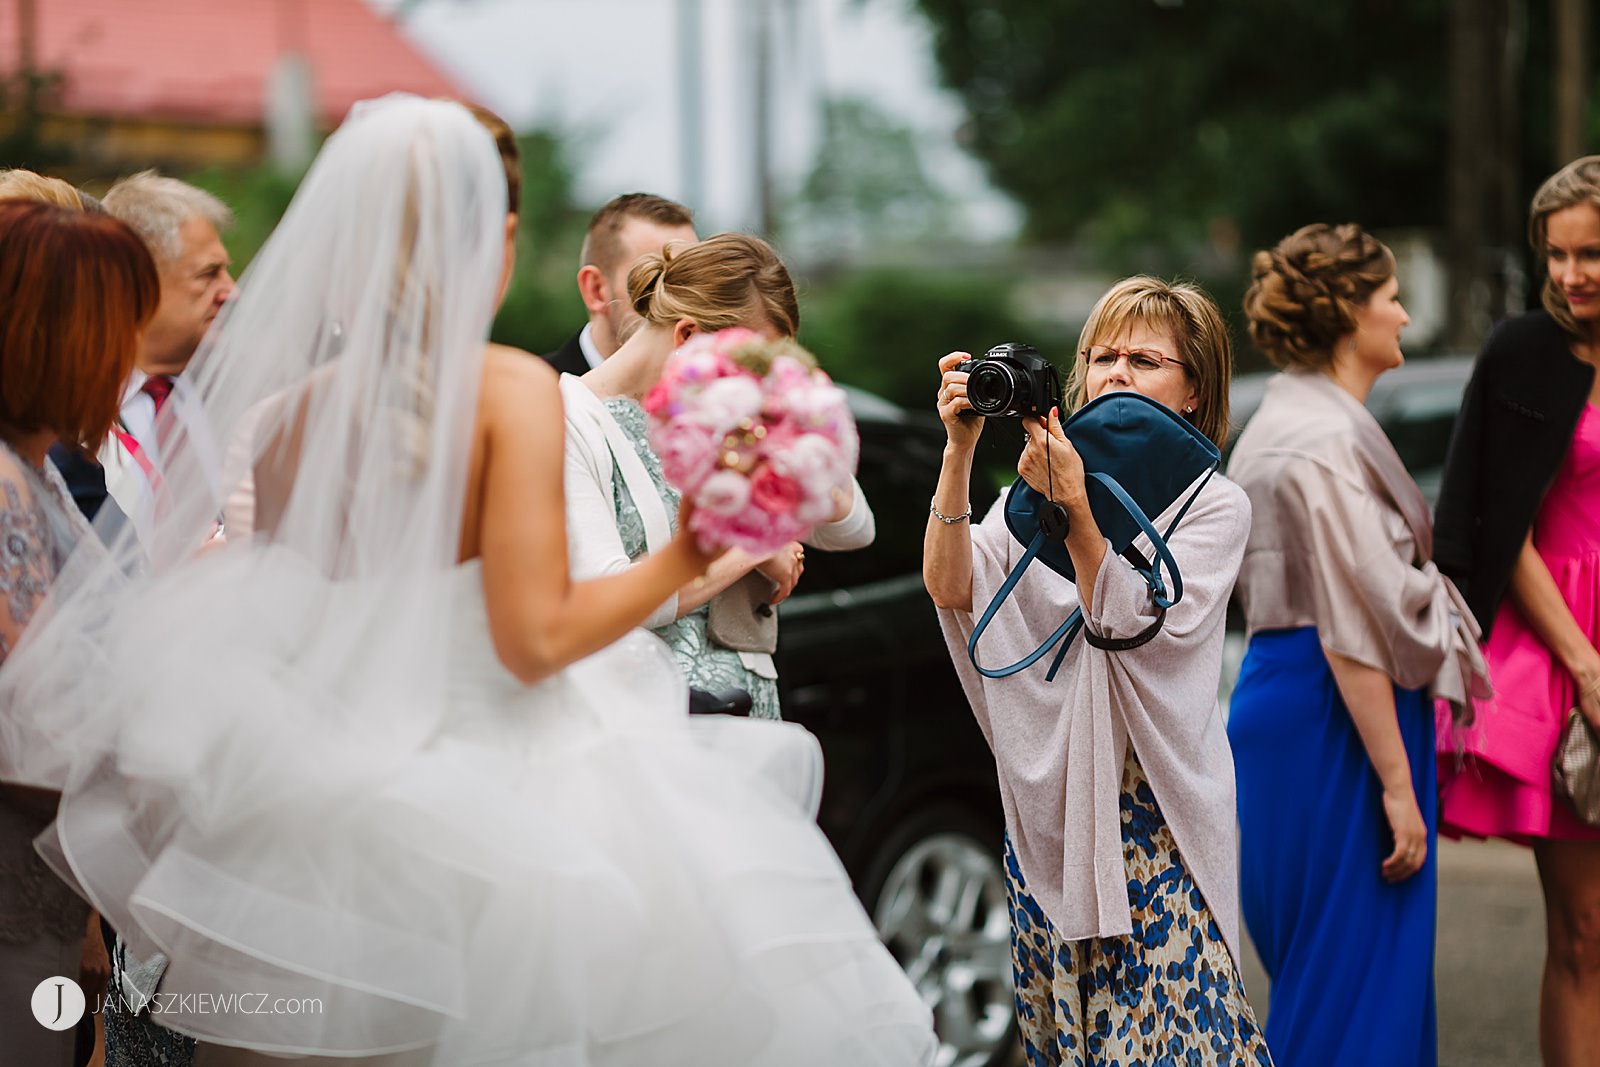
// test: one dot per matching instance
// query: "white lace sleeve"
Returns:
(26, 562)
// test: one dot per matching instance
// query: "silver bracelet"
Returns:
(933, 509)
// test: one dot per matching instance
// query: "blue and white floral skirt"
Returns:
(1169, 994)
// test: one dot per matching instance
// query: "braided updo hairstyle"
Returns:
(1305, 292)
(726, 280)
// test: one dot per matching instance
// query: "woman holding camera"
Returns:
(1115, 778)
(1350, 626)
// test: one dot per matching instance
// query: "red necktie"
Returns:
(159, 387)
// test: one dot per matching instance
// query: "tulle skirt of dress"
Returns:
(573, 873)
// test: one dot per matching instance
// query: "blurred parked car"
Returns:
(1415, 404)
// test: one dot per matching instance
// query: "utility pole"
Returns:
(290, 115)
(1570, 30)
(691, 113)
(27, 33)
(761, 102)
(1487, 44)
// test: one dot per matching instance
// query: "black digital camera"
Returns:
(1011, 381)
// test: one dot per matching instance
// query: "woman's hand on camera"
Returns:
(1050, 464)
(962, 432)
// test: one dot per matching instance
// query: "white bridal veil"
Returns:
(292, 764)
(176, 695)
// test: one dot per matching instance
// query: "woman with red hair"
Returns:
(75, 290)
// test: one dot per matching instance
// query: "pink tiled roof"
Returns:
(209, 60)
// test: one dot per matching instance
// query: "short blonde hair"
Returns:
(26, 185)
(720, 282)
(1576, 183)
(1184, 312)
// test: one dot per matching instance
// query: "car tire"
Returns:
(935, 888)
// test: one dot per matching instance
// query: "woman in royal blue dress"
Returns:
(1351, 627)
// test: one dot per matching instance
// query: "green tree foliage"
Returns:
(868, 185)
(24, 100)
(258, 196)
(885, 330)
(1141, 125)
(542, 307)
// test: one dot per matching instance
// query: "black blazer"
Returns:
(85, 478)
(1516, 424)
(568, 359)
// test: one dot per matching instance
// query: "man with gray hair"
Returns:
(181, 225)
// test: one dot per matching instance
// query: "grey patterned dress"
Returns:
(42, 922)
(707, 665)
(35, 539)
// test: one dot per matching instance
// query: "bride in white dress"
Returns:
(379, 779)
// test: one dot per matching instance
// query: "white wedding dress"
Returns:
(572, 873)
(717, 925)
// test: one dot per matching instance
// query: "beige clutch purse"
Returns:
(1576, 768)
(741, 618)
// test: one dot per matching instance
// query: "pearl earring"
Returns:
(1189, 410)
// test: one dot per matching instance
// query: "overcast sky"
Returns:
(610, 71)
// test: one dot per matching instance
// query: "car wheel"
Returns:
(937, 894)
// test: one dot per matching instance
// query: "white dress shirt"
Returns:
(129, 476)
(586, 346)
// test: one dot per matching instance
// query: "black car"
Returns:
(910, 800)
(1415, 404)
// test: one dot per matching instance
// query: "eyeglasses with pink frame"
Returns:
(1140, 361)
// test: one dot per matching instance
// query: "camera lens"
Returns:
(992, 388)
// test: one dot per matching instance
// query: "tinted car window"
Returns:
(1416, 405)
(1418, 420)
(896, 461)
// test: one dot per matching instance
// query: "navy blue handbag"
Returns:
(1138, 457)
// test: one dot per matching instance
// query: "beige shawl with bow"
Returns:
(1342, 541)
(1059, 745)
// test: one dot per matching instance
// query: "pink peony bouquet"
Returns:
(755, 435)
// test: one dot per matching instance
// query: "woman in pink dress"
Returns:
(1518, 528)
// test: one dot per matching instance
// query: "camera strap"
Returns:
(1068, 631)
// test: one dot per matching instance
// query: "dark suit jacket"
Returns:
(84, 477)
(568, 359)
(86, 480)
(1517, 420)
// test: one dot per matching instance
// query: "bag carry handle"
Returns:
(1069, 629)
